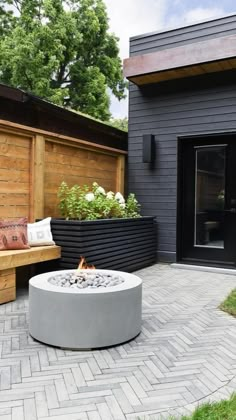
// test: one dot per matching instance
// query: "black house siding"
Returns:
(169, 110)
(204, 31)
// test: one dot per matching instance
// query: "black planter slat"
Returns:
(112, 257)
(101, 222)
(114, 262)
(97, 258)
(95, 230)
(104, 250)
(97, 261)
(120, 244)
(88, 251)
(107, 234)
(106, 239)
(142, 246)
(127, 266)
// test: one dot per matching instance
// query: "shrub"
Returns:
(85, 203)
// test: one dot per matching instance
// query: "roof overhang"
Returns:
(46, 107)
(214, 55)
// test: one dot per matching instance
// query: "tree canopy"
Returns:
(61, 51)
(121, 123)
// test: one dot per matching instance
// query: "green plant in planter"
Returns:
(85, 203)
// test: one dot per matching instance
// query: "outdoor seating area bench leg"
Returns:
(7, 285)
(10, 259)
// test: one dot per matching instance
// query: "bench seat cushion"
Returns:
(13, 234)
(39, 233)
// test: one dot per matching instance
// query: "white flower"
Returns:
(101, 190)
(119, 197)
(95, 184)
(89, 196)
(122, 205)
(110, 195)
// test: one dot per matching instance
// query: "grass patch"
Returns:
(222, 410)
(229, 304)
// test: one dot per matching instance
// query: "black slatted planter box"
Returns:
(117, 244)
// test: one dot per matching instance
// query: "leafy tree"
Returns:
(62, 52)
(121, 123)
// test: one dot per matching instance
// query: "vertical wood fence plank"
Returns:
(120, 175)
(37, 183)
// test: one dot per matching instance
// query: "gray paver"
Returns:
(30, 409)
(185, 355)
(18, 413)
(41, 404)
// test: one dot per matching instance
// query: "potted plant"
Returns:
(104, 228)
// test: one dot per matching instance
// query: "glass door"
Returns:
(208, 201)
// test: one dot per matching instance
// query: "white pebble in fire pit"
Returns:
(87, 279)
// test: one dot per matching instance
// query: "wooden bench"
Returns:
(11, 259)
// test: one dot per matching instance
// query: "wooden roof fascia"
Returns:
(199, 53)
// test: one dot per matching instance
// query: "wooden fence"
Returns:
(34, 162)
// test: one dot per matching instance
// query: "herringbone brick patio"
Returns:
(185, 355)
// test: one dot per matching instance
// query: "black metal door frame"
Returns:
(211, 138)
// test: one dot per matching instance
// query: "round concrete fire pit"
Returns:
(88, 317)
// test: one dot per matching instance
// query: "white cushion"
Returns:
(39, 233)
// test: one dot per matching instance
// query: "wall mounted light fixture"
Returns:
(148, 148)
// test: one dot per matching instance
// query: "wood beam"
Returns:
(184, 57)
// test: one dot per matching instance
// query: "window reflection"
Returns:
(209, 196)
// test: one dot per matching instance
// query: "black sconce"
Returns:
(148, 148)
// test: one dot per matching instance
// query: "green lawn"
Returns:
(229, 304)
(222, 410)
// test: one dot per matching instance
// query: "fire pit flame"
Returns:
(83, 265)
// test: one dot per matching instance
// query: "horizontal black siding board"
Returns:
(166, 163)
(195, 98)
(202, 85)
(188, 130)
(161, 193)
(199, 101)
(207, 108)
(181, 36)
(184, 119)
(167, 199)
(141, 48)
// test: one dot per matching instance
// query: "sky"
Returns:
(128, 18)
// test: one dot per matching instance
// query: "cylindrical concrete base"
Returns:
(88, 318)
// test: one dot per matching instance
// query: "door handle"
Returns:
(233, 210)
